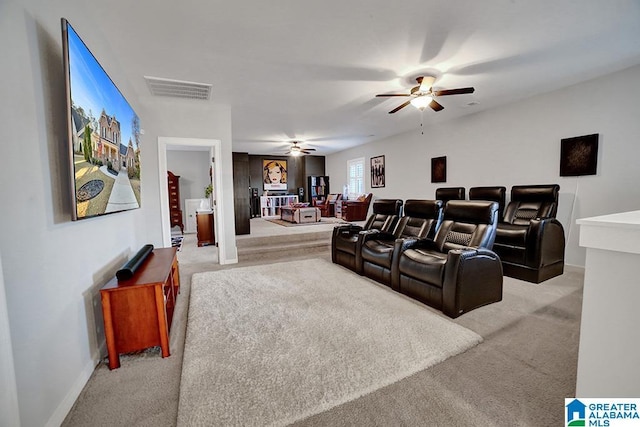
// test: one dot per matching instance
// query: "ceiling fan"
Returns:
(423, 95)
(296, 150)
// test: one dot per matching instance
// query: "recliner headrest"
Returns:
(471, 211)
(387, 206)
(450, 193)
(427, 209)
(535, 193)
(495, 194)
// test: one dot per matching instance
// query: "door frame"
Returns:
(214, 152)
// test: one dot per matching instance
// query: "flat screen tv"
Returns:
(103, 135)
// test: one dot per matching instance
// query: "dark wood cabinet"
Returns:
(206, 234)
(138, 312)
(175, 210)
(241, 192)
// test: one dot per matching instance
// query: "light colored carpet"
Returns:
(274, 344)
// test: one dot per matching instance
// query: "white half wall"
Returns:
(520, 144)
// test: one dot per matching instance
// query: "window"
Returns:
(355, 172)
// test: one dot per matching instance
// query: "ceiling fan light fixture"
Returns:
(421, 102)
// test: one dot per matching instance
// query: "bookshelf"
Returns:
(270, 205)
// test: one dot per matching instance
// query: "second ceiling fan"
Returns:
(423, 95)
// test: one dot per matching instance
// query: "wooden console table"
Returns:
(138, 312)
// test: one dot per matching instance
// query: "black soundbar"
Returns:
(128, 270)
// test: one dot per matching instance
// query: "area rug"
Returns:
(323, 221)
(176, 242)
(273, 344)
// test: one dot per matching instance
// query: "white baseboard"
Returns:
(67, 403)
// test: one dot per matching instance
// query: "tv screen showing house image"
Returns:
(104, 135)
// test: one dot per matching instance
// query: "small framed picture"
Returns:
(377, 172)
(439, 169)
(579, 155)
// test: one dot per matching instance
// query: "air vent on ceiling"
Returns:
(177, 88)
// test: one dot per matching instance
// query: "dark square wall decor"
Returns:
(439, 169)
(579, 155)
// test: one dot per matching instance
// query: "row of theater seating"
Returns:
(529, 239)
(441, 253)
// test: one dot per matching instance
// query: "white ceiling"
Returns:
(310, 70)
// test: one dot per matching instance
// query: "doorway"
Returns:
(212, 149)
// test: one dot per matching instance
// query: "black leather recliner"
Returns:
(346, 240)
(456, 271)
(421, 219)
(449, 193)
(530, 240)
(493, 194)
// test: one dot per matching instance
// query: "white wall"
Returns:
(520, 144)
(9, 410)
(193, 169)
(53, 267)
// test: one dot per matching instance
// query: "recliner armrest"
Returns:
(545, 242)
(425, 243)
(378, 235)
(472, 278)
(347, 228)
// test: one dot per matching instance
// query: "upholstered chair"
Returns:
(346, 240)
(420, 220)
(327, 206)
(356, 210)
(493, 194)
(450, 193)
(530, 240)
(456, 271)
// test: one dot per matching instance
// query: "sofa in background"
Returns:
(327, 206)
(355, 210)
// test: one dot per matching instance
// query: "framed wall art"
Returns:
(274, 174)
(579, 155)
(439, 169)
(377, 172)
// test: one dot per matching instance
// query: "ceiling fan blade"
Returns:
(459, 91)
(394, 94)
(399, 107)
(309, 149)
(435, 106)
